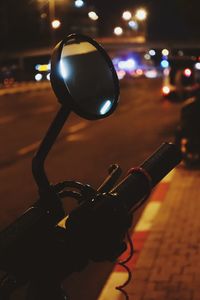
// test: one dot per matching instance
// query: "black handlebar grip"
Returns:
(161, 162)
(139, 182)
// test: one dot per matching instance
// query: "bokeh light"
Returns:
(118, 31)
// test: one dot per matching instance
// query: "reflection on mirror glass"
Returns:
(88, 77)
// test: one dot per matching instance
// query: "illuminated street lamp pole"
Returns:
(141, 16)
(51, 11)
(118, 31)
(54, 23)
(93, 16)
(126, 15)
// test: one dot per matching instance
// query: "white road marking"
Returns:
(72, 137)
(75, 137)
(77, 127)
(45, 109)
(28, 149)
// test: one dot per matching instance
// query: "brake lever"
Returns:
(114, 172)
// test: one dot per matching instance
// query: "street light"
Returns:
(93, 16)
(152, 52)
(141, 14)
(165, 52)
(51, 10)
(164, 63)
(133, 24)
(197, 66)
(127, 15)
(79, 3)
(55, 24)
(118, 30)
(147, 56)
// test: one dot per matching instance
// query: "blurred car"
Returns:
(42, 72)
(181, 79)
(187, 136)
(133, 67)
(151, 73)
(7, 76)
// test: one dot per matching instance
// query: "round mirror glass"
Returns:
(89, 77)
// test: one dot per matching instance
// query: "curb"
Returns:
(138, 237)
(25, 87)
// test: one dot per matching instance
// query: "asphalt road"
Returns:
(83, 152)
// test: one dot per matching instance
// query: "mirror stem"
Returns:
(45, 146)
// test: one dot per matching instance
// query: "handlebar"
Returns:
(110, 214)
(97, 226)
(137, 184)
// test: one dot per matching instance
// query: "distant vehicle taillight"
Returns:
(151, 73)
(187, 72)
(139, 72)
(8, 82)
(183, 145)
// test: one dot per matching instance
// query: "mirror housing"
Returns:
(65, 95)
(89, 99)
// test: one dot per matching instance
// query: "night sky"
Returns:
(168, 20)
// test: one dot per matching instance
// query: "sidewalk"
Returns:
(22, 87)
(167, 262)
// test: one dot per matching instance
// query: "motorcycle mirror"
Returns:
(83, 77)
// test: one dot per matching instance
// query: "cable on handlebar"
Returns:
(142, 171)
(123, 263)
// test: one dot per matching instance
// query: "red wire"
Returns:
(123, 263)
